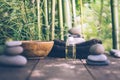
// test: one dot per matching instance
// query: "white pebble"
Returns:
(78, 40)
(100, 57)
(13, 60)
(14, 50)
(13, 43)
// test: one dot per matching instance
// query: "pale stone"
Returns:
(97, 49)
(13, 60)
(115, 52)
(13, 43)
(78, 40)
(100, 57)
(2, 49)
(14, 50)
(75, 30)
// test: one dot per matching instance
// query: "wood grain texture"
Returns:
(60, 69)
(110, 72)
(17, 73)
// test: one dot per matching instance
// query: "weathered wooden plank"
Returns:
(17, 73)
(60, 69)
(110, 72)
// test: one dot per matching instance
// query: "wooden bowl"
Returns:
(37, 48)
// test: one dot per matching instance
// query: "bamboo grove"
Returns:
(51, 19)
(32, 19)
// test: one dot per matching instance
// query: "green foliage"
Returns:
(98, 24)
(18, 20)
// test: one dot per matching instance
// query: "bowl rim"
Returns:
(32, 42)
(23, 41)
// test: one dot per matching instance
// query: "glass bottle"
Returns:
(70, 48)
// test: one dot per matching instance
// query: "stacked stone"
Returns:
(12, 54)
(115, 53)
(75, 32)
(97, 56)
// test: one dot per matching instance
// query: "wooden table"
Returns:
(61, 69)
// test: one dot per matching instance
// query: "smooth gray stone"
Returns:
(17, 60)
(78, 40)
(100, 57)
(97, 63)
(2, 49)
(115, 53)
(13, 50)
(97, 49)
(75, 30)
(13, 43)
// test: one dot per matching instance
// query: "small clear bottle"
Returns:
(70, 48)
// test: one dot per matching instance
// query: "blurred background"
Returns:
(46, 20)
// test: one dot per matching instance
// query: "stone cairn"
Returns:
(12, 54)
(97, 56)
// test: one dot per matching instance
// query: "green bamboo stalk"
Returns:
(53, 19)
(67, 14)
(46, 19)
(39, 27)
(100, 18)
(81, 18)
(25, 17)
(74, 12)
(49, 10)
(115, 24)
(60, 19)
(34, 15)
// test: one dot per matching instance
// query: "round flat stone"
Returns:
(97, 49)
(75, 30)
(100, 57)
(13, 43)
(78, 40)
(97, 63)
(13, 50)
(2, 49)
(17, 60)
(115, 53)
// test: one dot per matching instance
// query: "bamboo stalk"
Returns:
(100, 18)
(81, 18)
(115, 24)
(25, 17)
(67, 14)
(46, 19)
(60, 19)
(49, 10)
(39, 27)
(74, 12)
(53, 20)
